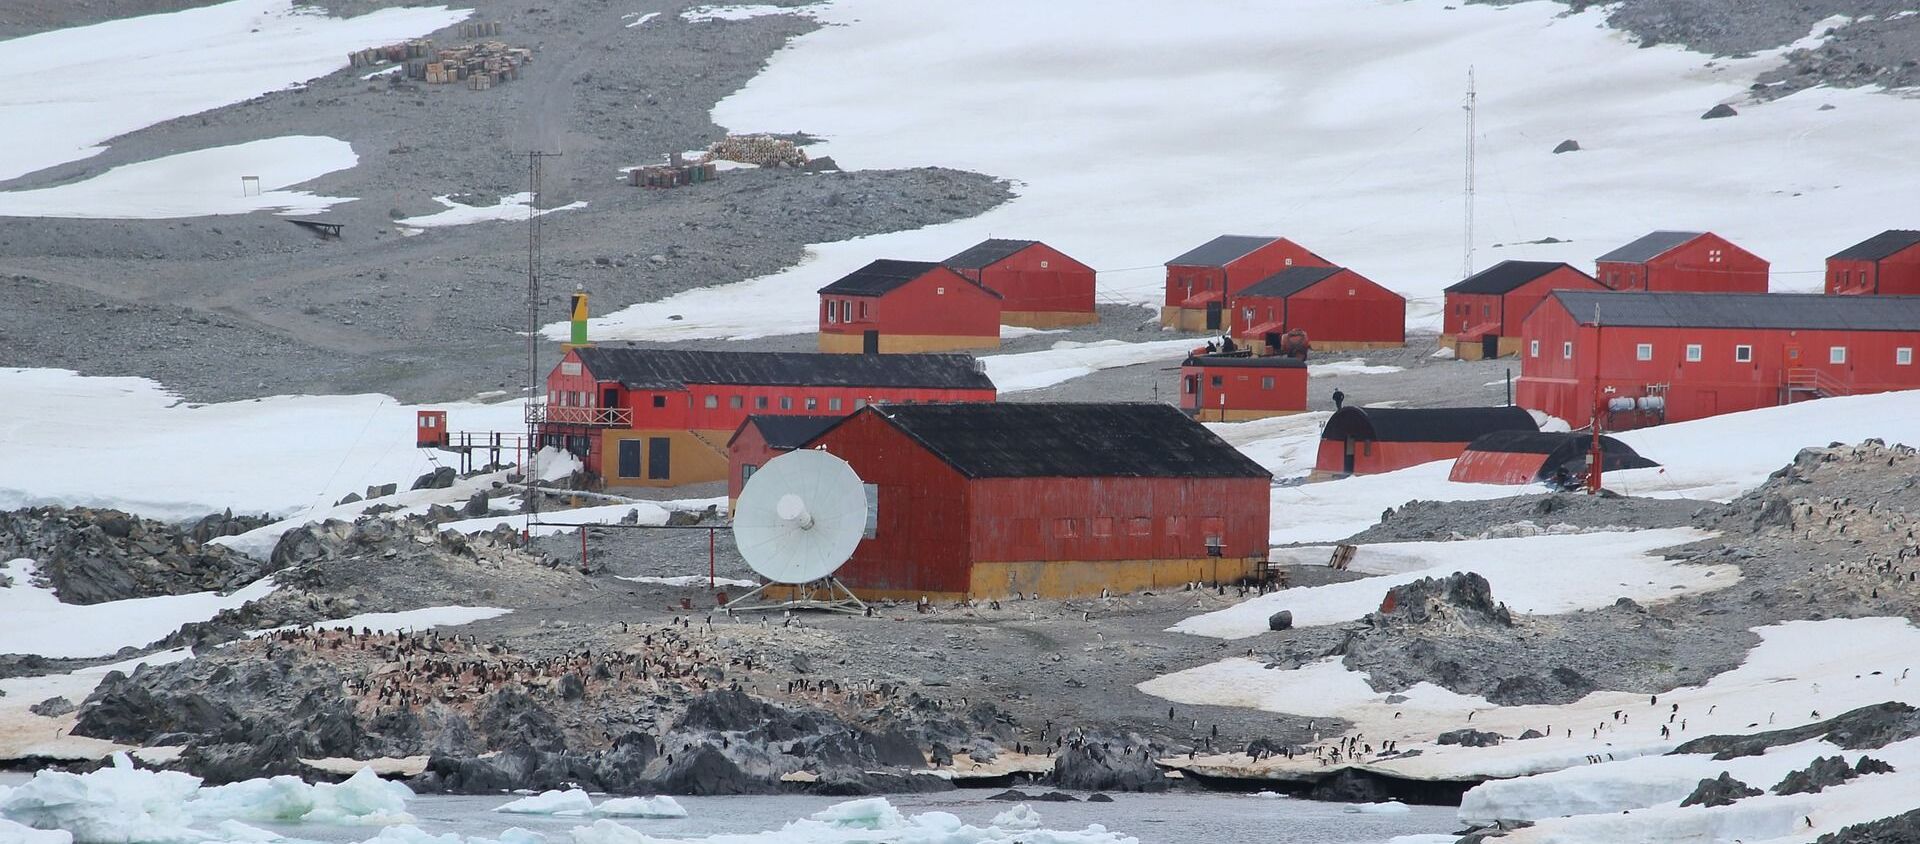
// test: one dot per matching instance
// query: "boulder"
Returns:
(1120, 763)
(1817, 776)
(440, 478)
(476, 506)
(1719, 791)
(1894, 830)
(349, 498)
(1469, 737)
(1568, 145)
(1719, 111)
(1282, 620)
(1461, 596)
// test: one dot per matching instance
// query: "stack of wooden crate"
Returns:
(761, 150)
(675, 173)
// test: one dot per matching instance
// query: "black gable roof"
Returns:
(986, 253)
(1028, 440)
(1648, 247)
(1289, 281)
(1425, 424)
(673, 369)
(1506, 276)
(1220, 251)
(1883, 245)
(1744, 310)
(879, 277)
(787, 431)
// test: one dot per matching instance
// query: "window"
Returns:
(1533, 348)
(1643, 351)
(1903, 356)
(1693, 352)
(1266, 382)
(570, 367)
(1566, 350)
(1043, 265)
(759, 402)
(846, 311)
(629, 458)
(873, 510)
(786, 402)
(813, 403)
(1486, 310)
(746, 472)
(1216, 380)
(1064, 529)
(734, 402)
(1102, 526)
(1837, 354)
(833, 404)
(859, 403)
(863, 310)
(826, 310)
(659, 401)
(1192, 384)
(1140, 526)
(940, 291)
(831, 314)
(1246, 316)
(1742, 354)
(712, 402)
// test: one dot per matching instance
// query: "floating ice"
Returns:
(1021, 816)
(871, 813)
(641, 807)
(1391, 807)
(571, 801)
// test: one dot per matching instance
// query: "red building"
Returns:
(988, 500)
(1666, 262)
(1201, 282)
(1669, 357)
(1233, 388)
(1485, 310)
(1337, 308)
(889, 306)
(1528, 457)
(1887, 264)
(763, 437)
(1373, 440)
(662, 417)
(1039, 286)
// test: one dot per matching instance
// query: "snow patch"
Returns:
(1067, 360)
(572, 801)
(511, 208)
(703, 14)
(200, 183)
(34, 621)
(1349, 367)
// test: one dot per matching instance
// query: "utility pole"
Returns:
(530, 470)
(1467, 259)
(1595, 456)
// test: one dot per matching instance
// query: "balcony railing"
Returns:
(602, 417)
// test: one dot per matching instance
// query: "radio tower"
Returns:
(530, 472)
(1467, 259)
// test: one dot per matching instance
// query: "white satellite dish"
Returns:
(796, 523)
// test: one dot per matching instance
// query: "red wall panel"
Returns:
(1039, 278)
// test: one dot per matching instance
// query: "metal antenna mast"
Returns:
(530, 472)
(1468, 258)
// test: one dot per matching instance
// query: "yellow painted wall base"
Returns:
(1068, 579)
(1048, 319)
(900, 344)
(1188, 319)
(695, 457)
(1472, 350)
(1217, 415)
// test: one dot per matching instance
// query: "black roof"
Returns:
(1561, 448)
(673, 369)
(986, 253)
(1034, 440)
(1883, 245)
(1425, 424)
(1289, 281)
(1220, 251)
(879, 277)
(1809, 311)
(784, 431)
(1269, 362)
(1506, 276)
(1649, 247)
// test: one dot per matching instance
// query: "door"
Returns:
(659, 458)
(610, 397)
(1346, 457)
(870, 342)
(1490, 346)
(1213, 316)
(629, 458)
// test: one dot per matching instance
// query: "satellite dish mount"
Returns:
(796, 523)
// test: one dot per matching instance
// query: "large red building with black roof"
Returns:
(1202, 281)
(1887, 264)
(1673, 261)
(1039, 286)
(889, 307)
(662, 417)
(1337, 308)
(1484, 311)
(1059, 500)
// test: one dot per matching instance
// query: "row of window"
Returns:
(786, 403)
(1193, 383)
(841, 310)
(1845, 278)
(1902, 356)
(1105, 526)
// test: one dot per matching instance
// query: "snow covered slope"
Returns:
(34, 621)
(1334, 122)
(198, 183)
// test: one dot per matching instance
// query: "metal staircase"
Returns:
(1803, 383)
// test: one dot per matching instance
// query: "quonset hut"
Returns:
(1372, 440)
(988, 500)
(1525, 457)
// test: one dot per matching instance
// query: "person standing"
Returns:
(1339, 398)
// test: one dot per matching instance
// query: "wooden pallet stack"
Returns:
(480, 65)
(760, 150)
(487, 29)
(677, 172)
(373, 56)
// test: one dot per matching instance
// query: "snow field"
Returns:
(511, 208)
(1346, 138)
(1286, 445)
(34, 621)
(1540, 575)
(1799, 668)
(1335, 510)
(196, 184)
(704, 14)
(1067, 360)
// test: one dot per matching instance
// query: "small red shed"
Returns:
(1337, 308)
(1528, 457)
(763, 437)
(1058, 500)
(430, 428)
(1485, 310)
(1666, 261)
(1039, 286)
(1233, 388)
(1887, 264)
(1670, 357)
(1202, 281)
(1373, 440)
(891, 306)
